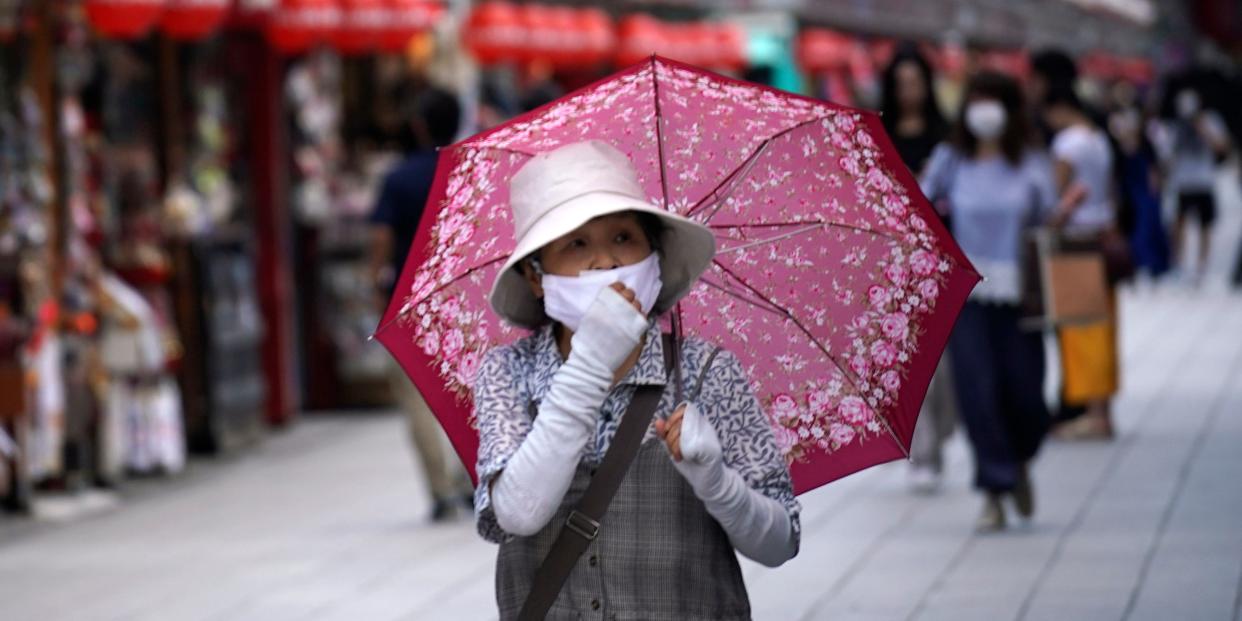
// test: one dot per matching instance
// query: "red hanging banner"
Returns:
(192, 20)
(123, 19)
(298, 25)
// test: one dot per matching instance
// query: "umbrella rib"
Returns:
(770, 240)
(731, 178)
(761, 304)
(790, 316)
(810, 223)
(437, 290)
(659, 123)
(482, 147)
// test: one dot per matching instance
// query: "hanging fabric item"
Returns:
(47, 428)
(142, 415)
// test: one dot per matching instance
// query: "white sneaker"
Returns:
(924, 480)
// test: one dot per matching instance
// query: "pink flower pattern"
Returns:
(846, 284)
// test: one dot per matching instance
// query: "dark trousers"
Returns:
(1000, 375)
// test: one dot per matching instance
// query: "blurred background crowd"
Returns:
(189, 189)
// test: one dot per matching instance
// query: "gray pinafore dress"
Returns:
(659, 554)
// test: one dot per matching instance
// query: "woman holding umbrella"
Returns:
(995, 189)
(594, 264)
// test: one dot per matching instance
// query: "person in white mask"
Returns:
(995, 188)
(595, 265)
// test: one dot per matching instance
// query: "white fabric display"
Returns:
(529, 490)
(757, 526)
(47, 433)
(130, 350)
(142, 430)
(567, 298)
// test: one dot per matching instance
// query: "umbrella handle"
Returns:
(676, 345)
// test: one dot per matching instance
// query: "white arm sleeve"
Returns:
(529, 490)
(758, 526)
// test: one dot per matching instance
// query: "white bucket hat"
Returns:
(560, 190)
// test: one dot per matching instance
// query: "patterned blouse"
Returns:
(515, 378)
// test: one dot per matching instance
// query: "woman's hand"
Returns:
(670, 431)
(628, 294)
(690, 437)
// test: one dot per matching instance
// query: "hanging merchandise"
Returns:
(142, 419)
(313, 89)
(298, 25)
(206, 199)
(44, 457)
(193, 20)
(124, 19)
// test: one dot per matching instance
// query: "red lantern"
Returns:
(541, 33)
(823, 50)
(597, 36)
(192, 20)
(638, 37)
(252, 13)
(297, 25)
(1137, 70)
(493, 33)
(693, 43)
(882, 51)
(363, 23)
(123, 19)
(409, 18)
(730, 46)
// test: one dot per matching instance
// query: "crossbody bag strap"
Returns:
(582, 525)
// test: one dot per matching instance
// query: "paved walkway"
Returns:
(324, 522)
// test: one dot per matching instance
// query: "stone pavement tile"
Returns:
(1197, 567)
(1190, 586)
(996, 574)
(831, 546)
(1104, 553)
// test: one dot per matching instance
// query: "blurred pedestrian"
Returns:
(1137, 172)
(1083, 169)
(434, 118)
(1050, 69)
(1196, 141)
(589, 276)
(913, 120)
(996, 189)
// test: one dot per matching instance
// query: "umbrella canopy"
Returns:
(834, 282)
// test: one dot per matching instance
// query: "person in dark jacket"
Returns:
(435, 117)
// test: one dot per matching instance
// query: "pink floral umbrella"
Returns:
(834, 283)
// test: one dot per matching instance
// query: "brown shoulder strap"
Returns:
(582, 525)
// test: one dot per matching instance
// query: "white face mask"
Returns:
(567, 298)
(986, 119)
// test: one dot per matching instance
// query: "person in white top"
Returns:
(1083, 162)
(1083, 166)
(1191, 146)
